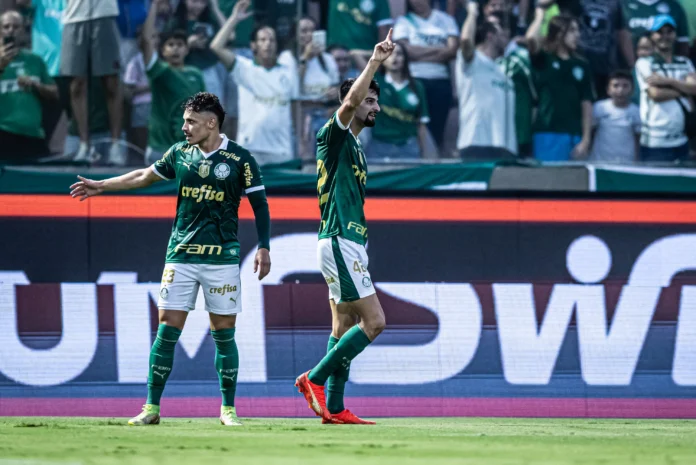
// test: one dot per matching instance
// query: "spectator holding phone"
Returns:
(317, 73)
(24, 82)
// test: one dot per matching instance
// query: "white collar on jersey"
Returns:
(396, 85)
(222, 145)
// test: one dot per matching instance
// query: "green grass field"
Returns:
(431, 441)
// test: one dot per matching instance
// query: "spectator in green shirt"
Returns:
(24, 82)
(201, 19)
(563, 126)
(172, 83)
(402, 132)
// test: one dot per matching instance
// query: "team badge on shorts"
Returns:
(367, 282)
(164, 292)
(222, 170)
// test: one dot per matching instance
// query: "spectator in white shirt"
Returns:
(317, 73)
(666, 82)
(616, 123)
(266, 90)
(430, 38)
(486, 93)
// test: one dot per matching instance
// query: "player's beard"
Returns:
(370, 122)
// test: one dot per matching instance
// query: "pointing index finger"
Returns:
(389, 35)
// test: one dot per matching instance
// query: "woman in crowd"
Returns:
(430, 39)
(563, 126)
(401, 132)
(318, 76)
(201, 19)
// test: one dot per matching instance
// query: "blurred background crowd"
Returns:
(101, 82)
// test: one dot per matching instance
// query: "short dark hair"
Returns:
(348, 83)
(482, 31)
(621, 74)
(177, 34)
(205, 102)
(258, 28)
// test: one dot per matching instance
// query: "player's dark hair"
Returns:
(205, 102)
(482, 31)
(621, 74)
(258, 28)
(177, 34)
(348, 83)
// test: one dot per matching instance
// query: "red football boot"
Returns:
(314, 394)
(346, 417)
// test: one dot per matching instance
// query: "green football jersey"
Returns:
(25, 117)
(640, 14)
(170, 88)
(402, 110)
(353, 23)
(342, 177)
(209, 193)
(562, 86)
(517, 67)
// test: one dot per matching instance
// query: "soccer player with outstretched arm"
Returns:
(342, 176)
(213, 172)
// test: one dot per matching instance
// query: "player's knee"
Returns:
(375, 327)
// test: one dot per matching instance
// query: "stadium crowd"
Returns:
(553, 80)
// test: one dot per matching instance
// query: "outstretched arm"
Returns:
(358, 91)
(146, 44)
(468, 35)
(227, 33)
(86, 188)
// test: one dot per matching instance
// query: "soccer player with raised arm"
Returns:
(342, 176)
(212, 172)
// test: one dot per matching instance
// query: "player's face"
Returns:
(197, 127)
(265, 45)
(368, 109)
(305, 28)
(174, 51)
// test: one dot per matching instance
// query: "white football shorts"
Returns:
(344, 266)
(220, 283)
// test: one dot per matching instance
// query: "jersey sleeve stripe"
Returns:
(384, 22)
(154, 170)
(254, 189)
(153, 60)
(340, 125)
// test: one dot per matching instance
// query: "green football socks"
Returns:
(336, 384)
(226, 363)
(161, 361)
(347, 348)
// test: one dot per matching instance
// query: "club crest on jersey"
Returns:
(222, 170)
(204, 168)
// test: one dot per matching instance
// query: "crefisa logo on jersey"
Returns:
(222, 170)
